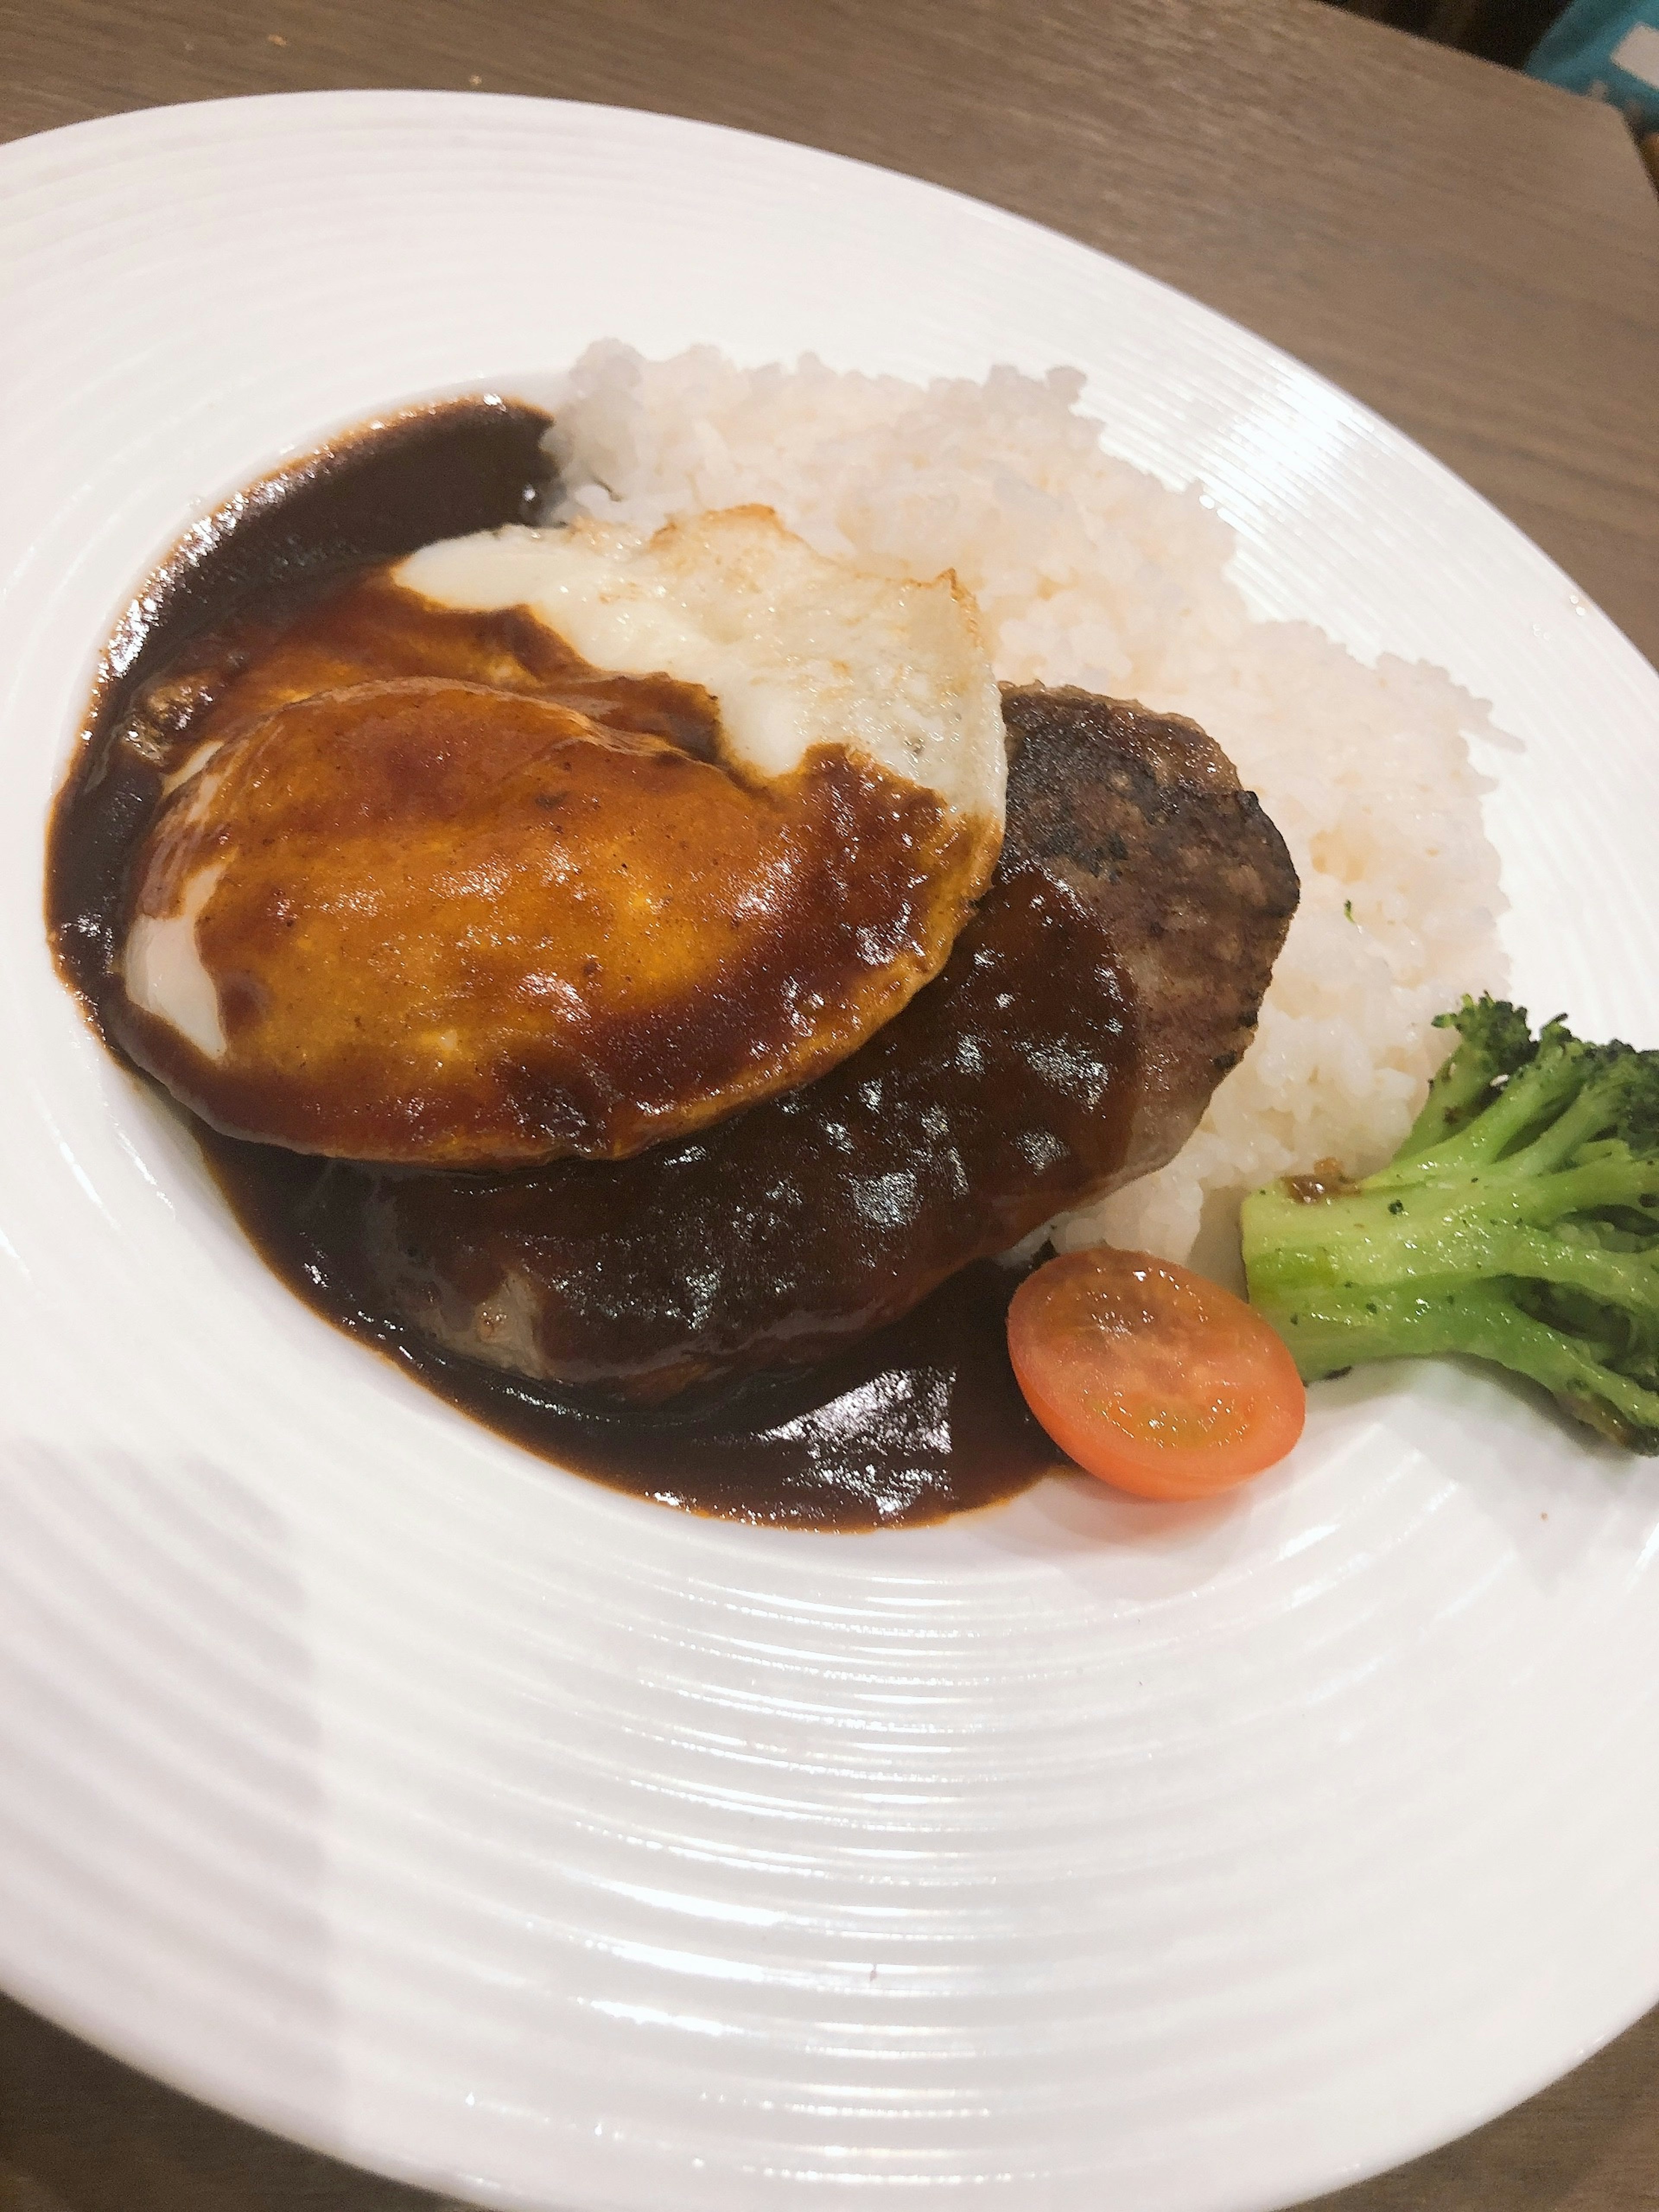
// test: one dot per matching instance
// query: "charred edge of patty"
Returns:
(1145, 814)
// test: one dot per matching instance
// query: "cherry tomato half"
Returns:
(1150, 1378)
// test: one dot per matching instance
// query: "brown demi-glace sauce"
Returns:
(918, 1422)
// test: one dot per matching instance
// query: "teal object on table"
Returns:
(1610, 49)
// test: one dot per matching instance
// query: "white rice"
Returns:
(1088, 571)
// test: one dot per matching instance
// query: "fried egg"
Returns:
(555, 843)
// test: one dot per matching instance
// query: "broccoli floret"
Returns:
(1518, 1221)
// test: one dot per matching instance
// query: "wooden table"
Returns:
(1475, 255)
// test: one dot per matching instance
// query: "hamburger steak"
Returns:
(1109, 978)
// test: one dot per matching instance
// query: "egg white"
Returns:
(798, 650)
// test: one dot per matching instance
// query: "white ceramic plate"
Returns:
(365, 1777)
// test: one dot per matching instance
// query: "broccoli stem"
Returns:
(1433, 1317)
(1368, 1242)
(1497, 1041)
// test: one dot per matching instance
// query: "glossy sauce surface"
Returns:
(232, 586)
(918, 1422)
(1000, 1095)
(921, 1420)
